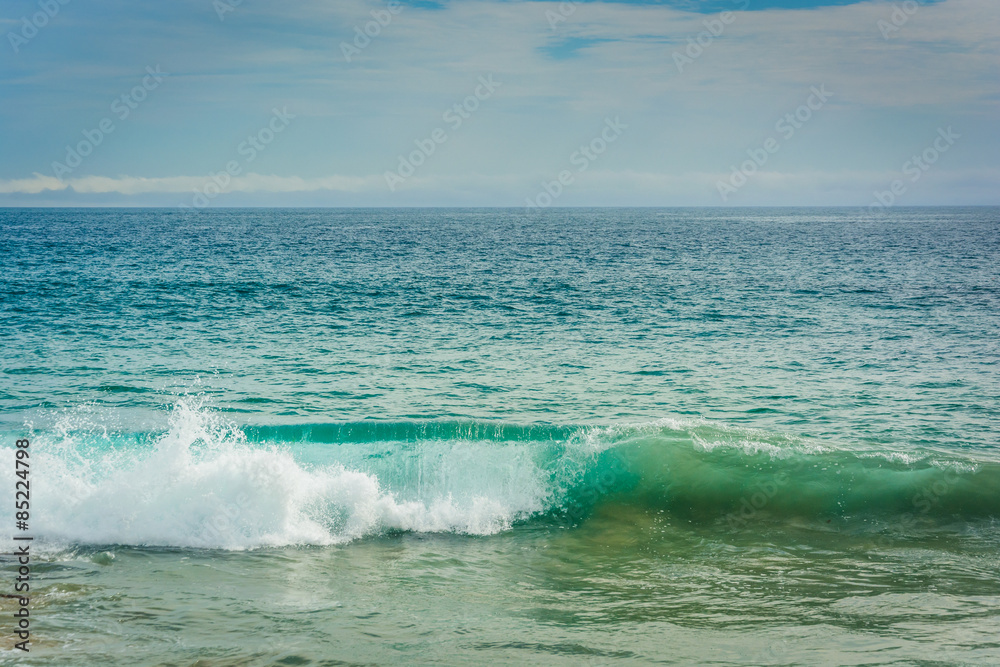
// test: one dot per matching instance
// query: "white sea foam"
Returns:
(202, 485)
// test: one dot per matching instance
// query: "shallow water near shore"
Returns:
(625, 587)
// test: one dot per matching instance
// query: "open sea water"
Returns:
(578, 436)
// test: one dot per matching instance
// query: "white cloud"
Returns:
(39, 183)
(594, 187)
(129, 185)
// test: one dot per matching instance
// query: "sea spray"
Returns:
(204, 482)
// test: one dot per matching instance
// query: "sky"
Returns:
(214, 103)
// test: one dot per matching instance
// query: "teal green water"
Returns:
(324, 437)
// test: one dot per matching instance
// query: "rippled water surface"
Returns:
(319, 437)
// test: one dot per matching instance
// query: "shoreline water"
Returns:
(313, 437)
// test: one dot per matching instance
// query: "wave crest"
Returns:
(206, 483)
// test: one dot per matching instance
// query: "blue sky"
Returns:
(628, 103)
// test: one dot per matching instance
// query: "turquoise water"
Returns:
(318, 437)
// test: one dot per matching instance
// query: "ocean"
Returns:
(491, 436)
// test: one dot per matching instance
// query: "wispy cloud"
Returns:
(128, 185)
(592, 188)
(355, 119)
